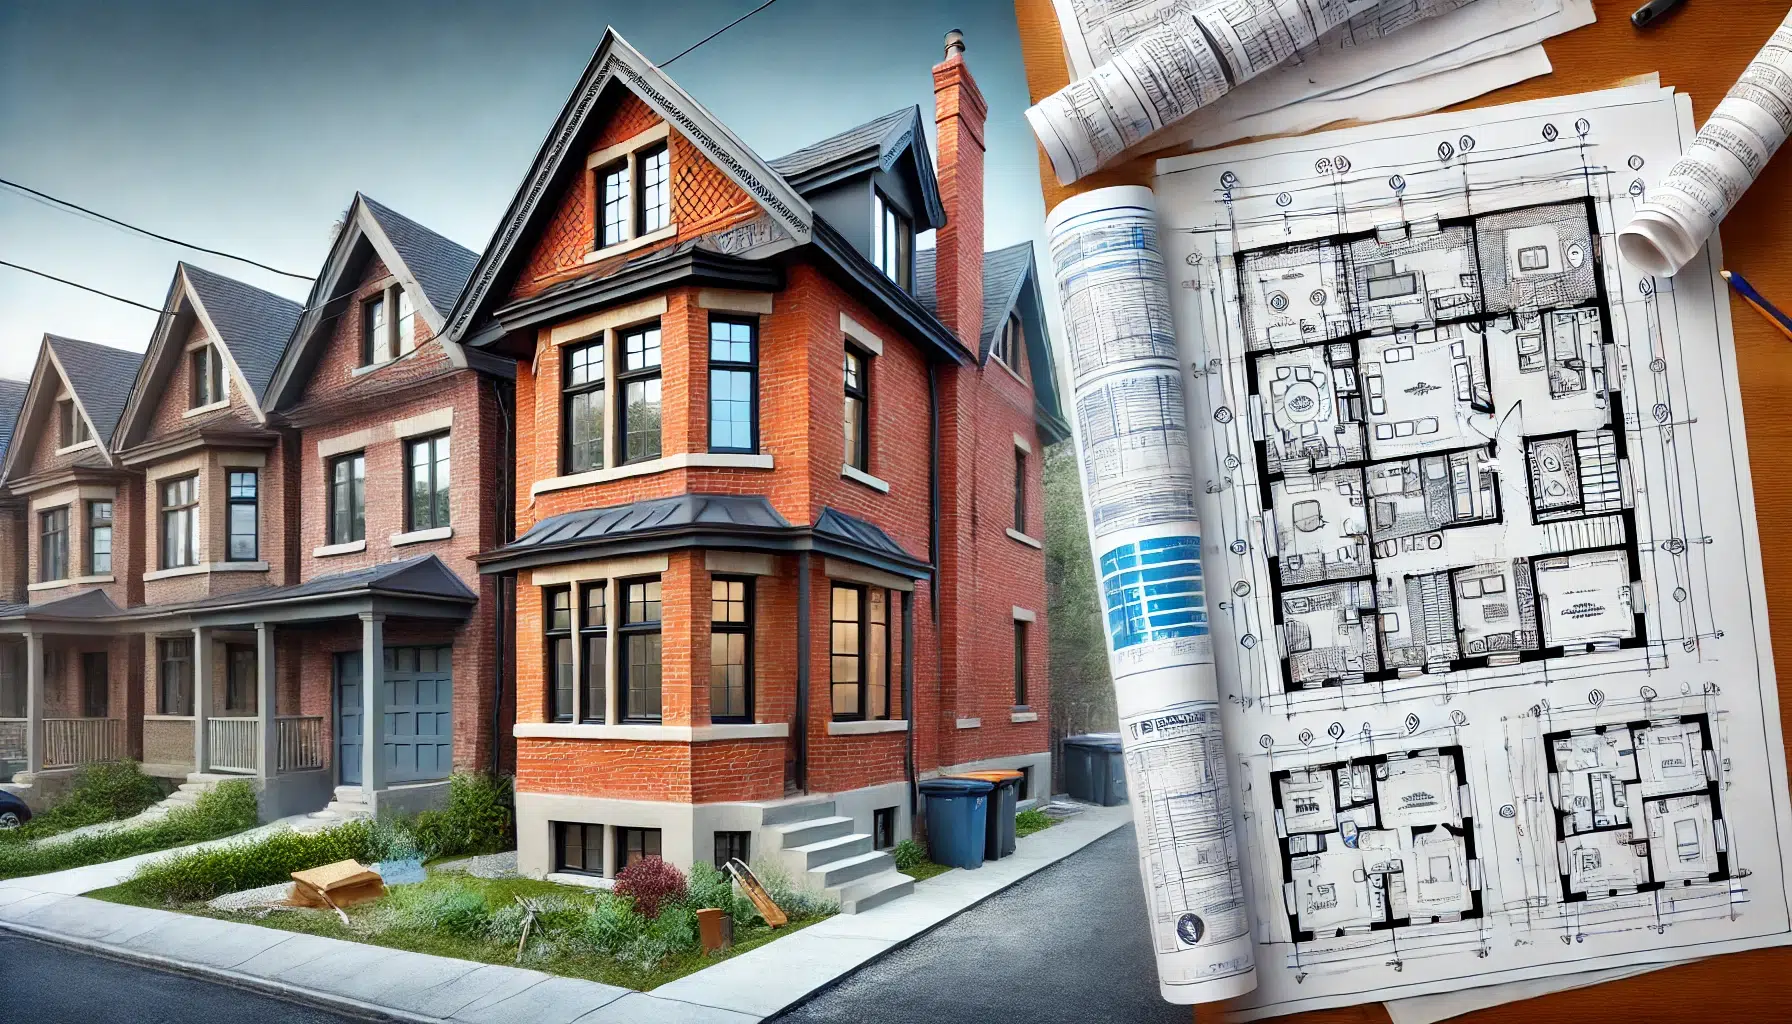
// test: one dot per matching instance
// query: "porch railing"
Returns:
(301, 742)
(12, 745)
(72, 742)
(233, 744)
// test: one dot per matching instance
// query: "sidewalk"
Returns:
(408, 986)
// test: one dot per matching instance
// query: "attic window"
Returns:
(892, 242)
(1011, 344)
(71, 426)
(385, 336)
(207, 372)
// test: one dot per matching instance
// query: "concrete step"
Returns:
(182, 797)
(875, 891)
(349, 795)
(840, 872)
(788, 813)
(829, 850)
(803, 833)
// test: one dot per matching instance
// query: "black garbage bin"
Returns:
(957, 813)
(1093, 769)
(999, 835)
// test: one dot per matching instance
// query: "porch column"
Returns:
(34, 702)
(267, 725)
(373, 704)
(202, 699)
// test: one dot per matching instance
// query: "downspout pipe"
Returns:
(504, 526)
(801, 722)
(908, 702)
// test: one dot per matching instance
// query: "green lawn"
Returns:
(381, 922)
(926, 869)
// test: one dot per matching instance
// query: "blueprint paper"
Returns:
(1487, 630)
(1444, 1005)
(1192, 53)
(1742, 134)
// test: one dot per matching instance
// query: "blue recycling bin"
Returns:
(957, 813)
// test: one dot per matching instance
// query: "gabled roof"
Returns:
(422, 576)
(12, 400)
(432, 268)
(100, 378)
(875, 145)
(440, 264)
(617, 65)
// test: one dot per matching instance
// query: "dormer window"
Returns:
(388, 325)
(632, 184)
(1011, 344)
(207, 372)
(892, 242)
(71, 426)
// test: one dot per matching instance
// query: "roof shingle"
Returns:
(12, 399)
(873, 134)
(441, 265)
(100, 376)
(1004, 270)
(255, 324)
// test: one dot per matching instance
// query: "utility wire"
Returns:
(717, 32)
(86, 288)
(145, 231)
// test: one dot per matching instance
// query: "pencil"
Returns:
(1755, 299)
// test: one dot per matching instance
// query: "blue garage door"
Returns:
(419, 729)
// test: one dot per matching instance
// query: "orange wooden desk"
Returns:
(1701, 51)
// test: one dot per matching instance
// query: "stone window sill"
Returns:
(866, 728)
(399, 540)
(632, 244)
(682, 460)
(345, 548)
(201, 410)
(970, 723)
(1023, 714)
(203, 567)
(650, 733)
(1014, 534)
(859, 476)
(71, 581)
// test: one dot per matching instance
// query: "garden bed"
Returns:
(225, 811)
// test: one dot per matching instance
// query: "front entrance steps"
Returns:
(822, 847)
(348, 803)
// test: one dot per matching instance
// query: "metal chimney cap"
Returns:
(954, 43)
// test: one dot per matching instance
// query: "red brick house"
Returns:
(777, 482)
(264, 534)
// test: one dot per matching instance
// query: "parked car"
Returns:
(13, 811)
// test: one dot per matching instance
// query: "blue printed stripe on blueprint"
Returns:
(1152, 590)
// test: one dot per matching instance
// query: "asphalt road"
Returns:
(1068, 944)
(48, 984)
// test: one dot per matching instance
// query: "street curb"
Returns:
(225, 976)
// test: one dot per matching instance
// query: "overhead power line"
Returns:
(86, 288)
(145, 231)
(717, 32)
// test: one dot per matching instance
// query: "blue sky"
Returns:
(248, 126)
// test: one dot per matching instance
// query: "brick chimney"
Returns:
(959, 111)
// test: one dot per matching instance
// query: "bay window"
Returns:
(180, 522)
(640, 384)
(860, 652)
(582, 447)
(556, 617)
(640, 683)
(733, 385)
(731, 649)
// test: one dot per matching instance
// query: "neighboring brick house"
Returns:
(777, 482)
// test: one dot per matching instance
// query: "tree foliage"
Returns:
(1082, 691)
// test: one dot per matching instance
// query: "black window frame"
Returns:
(240, 674)
(892, 240)
(628, 629)
(733, 845)
(1021, 646)
(96, 701)
(354, 489)
(603, 203)
(863, 625)
(52, 544)
(570, 392)
(728, 627)
(555, 632)
(626, 837)
(205, 367)
(1020, 489)
(646, 376)
(237, 495)
(585, 832)
(186, 512)
(174, 676)
(639, 187)
(733, 366)
(883, 828)
(594, 698)
(856, 443)
(95, 523)
(438, 478)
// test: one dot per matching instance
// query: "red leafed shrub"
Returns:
(651, 883)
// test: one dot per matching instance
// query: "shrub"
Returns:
(651, 883)
(228, 809)
(108, 791)
(480, 818)
(1032, 820)
(612, 925)
(676, 927)
(450, 910)
(708, 887)
(208, 874)
(909, 854)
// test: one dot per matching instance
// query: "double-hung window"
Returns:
(206, 366)
(731, 649)
(892, 242)
(1020, 663)
(99, 538)
(594, 667)
(388, 325)
(613, 212)
(653, 200)
(426, 467)
(348, 498)
(859, 646)
(242, 515)
(640, 383)
(640, 684)
(557, 627)
(856, 418)
(71, 426)
(583, 403)
(1020, 489)
(374, 331)
(239, 679)
(174, 676)
(733, 385)
(633, 192)
(180, 522)
(52, 544)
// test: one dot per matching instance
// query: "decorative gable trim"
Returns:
(616, 61)
(31, 429)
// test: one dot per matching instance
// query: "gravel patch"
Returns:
(491, 865)
(254, 899)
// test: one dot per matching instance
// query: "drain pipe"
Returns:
(908, 701)
(504, 528)
(802, 671)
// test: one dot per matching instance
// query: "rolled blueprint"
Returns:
(1131, 434)
(1161, 60)
(1675, 219)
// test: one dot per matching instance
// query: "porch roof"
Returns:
(421, 586)
(86, 607)
(725, 521)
